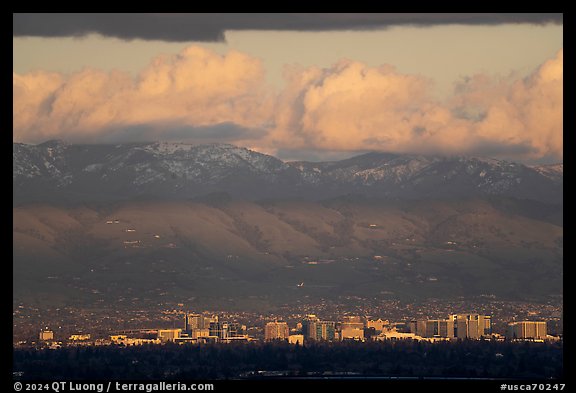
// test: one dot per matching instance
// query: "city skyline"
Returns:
(207, 327)
(287, 195)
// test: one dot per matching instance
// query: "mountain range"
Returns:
(56, 171)
(219, 226)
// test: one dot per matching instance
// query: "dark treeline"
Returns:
(469, 359)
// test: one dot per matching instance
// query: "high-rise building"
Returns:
(487, 325)
(198, 325)
(432, 328)
(309, 326)
(199, 333)
(527, 330)
(325, 330)
(276, 331)
(197, 321)
(446, 328)
(418, 327)
(219, 329)
(236, 329)
(223, 330)
(315, 329)
(472, 326)
(461, 328)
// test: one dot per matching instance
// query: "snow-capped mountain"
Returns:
(54, 170)
(554, 172)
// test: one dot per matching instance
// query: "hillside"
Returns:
(219, 250)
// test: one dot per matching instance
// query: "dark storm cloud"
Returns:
(316, 155)
(211, 27)
(221, 133)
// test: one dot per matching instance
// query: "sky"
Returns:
(298, 86)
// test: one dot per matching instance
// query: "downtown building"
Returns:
(316, 330)
(197, 325)
(472, 326)
(527, 330)
(227, 331)
(460, 326)
(351, 328)
(276, 331)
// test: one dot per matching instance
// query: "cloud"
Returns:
(200, 96)
(518, 112)
(351, 106)
(211, 26)
(178, 95)
(222, 132)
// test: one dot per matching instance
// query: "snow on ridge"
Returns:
(162, 148)
(174, 163)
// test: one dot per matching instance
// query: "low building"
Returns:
(379, 324)
(79, 337)
(199, 333)
(296, 339)
(351, 328)
(352, 333)
(118, 338)
(169, 334)
(395, 335)
(46, 335)
(140, 341)
(122, 339)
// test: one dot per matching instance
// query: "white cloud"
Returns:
(196, 87)
(346, 107)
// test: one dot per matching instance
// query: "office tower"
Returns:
(446, 328)
(235, 329)
(276, 331)
(418, 327)
(309, 326)
(487, 325)
(219, 329)
(197, 321)
(432, 328)
(325, 330)
(472, 326)
(314, 329)
(527, 330)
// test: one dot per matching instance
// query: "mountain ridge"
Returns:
(55, 170)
